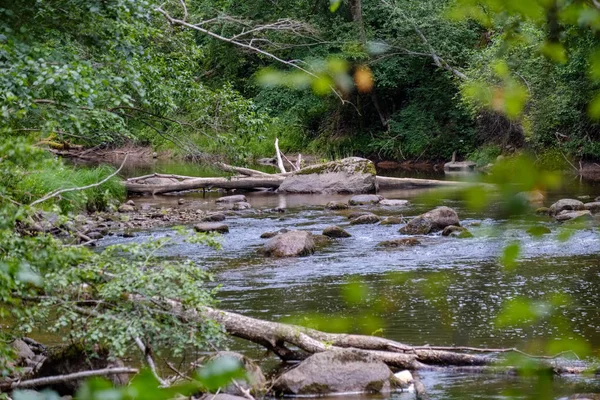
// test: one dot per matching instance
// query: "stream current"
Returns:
(446, 292)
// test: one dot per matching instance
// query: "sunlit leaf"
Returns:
(334, 5)
(220, 372)
(555, 52)
(510, 255)
(594, 107)
(516, 312)
(355, 292)
(363, 77)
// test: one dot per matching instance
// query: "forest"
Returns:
(179, 173)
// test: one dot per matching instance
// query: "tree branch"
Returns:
(51, 380)
(145, 351)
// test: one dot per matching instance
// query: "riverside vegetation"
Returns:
(398, 80)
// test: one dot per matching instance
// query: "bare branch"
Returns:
(279, 160)
(146, 352)
(51, 380)
(61, 191)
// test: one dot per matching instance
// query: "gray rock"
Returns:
(181, 201)
(335, 232)
(255, 382)
(130, 203)
(339, 371)
(242, 205)
(238, 198)
(336, 205)
(583, 215)
(566, 204)
(593, 207)
(417, 226)
(322, 241)
(290, 244)
(125, 208)
(364, 199)
(22, 351)
(269, 235)
(394, 203)
(365, 220)
(449, 230)
(356, 214)
(460, 166)
(205, 227)
(585, 396)
(213, 217)
(95, 235)
(350, 175)
(393, 221)
(405, 242)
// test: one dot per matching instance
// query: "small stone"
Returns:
(417, 226)
(206, 227)
(213, 217)
(124, 208)
(322, 240)
(336, 205)
(449, 230)
(335, 232)
(181, 201)
(357, 214)
(128, 234)
(130, 203)
(238, 198)
(394, 203)
(543, 211)
(393, 221)
(94, 235)
(242, 205)
(365, 220)
(155, 155)
(404, 242)
(269, 235)
(364, 199)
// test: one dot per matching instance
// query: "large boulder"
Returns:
(339, 371)
(365, 199)
(566, 204)
(290, 244)
(350, 175)
(432, 221)
(583, 215)
(593, 207)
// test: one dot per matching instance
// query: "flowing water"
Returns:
(446, 292)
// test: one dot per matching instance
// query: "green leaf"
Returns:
(594, 108)
(334, 5)
(509, 255)
(555, 52)
(220, 372)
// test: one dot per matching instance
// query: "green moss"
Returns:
(361, 167)
(374, 386)
(315, 388)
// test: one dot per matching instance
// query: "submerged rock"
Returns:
(574, 215)
(417, 226)
(337, 205)
(213, 217)
(238, 198)
(404, 242)
(365, 219)
(290, 244)
(393, 221)
(542, 211)
(241, 205)
(335, 232)
(322, 241)
(566, 205)
(456, 231)
(356, 214)
(394, 203)
(339, 371)
(269, 235)
(255, 382)
(350, 175)
(205, 227)
(364, 199)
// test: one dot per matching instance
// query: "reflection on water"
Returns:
(445, 292)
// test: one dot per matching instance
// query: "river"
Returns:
(446, 292)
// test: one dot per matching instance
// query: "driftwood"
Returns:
(51, 380)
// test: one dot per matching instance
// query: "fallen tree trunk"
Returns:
(135, 185)
(256, 180)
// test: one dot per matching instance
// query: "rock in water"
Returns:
(365, 219)
(460, 166)
(364, 199)
(214, 217)
(124, 208)
(336, 205)
(432, 221)
(338, 371)
(206, 227)
(393, 221)
(566, 204)
(238, 198)
(593, 207)
(394, 203)
(583, 215)
(241, 205)
(349, 175)
(290, 244)
(335, 232)
(406, 242)
(255, 381)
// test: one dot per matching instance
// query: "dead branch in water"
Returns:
(51, 380)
